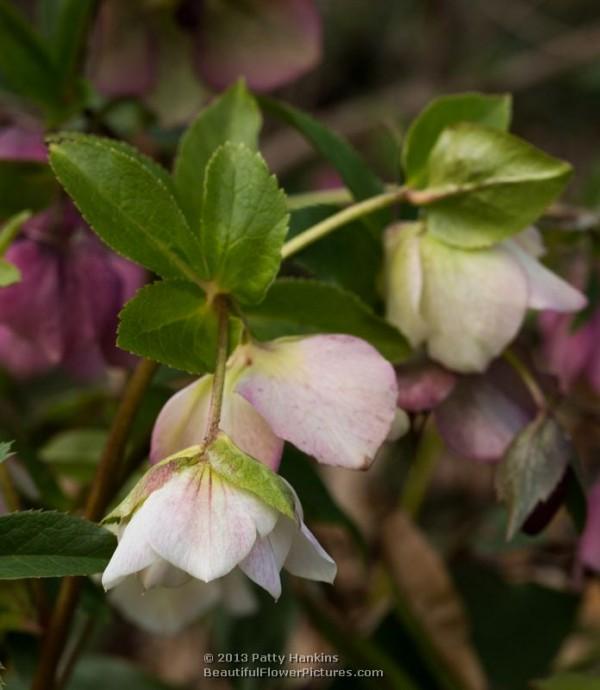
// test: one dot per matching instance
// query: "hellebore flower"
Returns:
(466, 305)
(206, 513)
(588, 554)
(64, 310)
(269, 43)
(332, 396)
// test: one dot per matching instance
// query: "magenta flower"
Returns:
(269, 43)
(332, 396)
(64, 310)
(589, 544)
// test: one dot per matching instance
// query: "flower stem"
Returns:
(218, 384)
(57, 632)
(528, 379)
(341, 218)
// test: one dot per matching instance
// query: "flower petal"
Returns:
(202, 524)
(474, 302)
(133, 552)
(183, 421)
(308, 559)
(546, 289)
(423, 385)
(19, 144)
(479, 419)
(269, 43)
(589, 544)
(261, 567)
(332, 396)
(237, 595)
(164, 610)
(404, 281)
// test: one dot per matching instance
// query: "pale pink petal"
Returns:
(332, 396)
(473, 302)
(164, 610)
(404, 281)
(260, 566)
(269, 43)
(133, 552)
(546, 289)
(479, 419)
(423, 385)
(308, 559)
(592, 371)
(589, 544)
(204, 525)
(183, 421)
(162, 574)
(237, 595)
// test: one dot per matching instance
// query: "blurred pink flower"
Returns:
(268, 42)
(64, 310)
(589, 544)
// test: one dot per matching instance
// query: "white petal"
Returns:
(530, 240)
(133, 553)
(404, 281)
(204, 525)
(184, 419)
(164, 610)
(474, 302)
(546, 289)
(163, 574)
(332, 396)
(307, 558)
(237, 595)
(261, 567)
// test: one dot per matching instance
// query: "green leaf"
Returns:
(533, 466)
(26, 66)
(5, 450)
(517, 628)
(51, 544)
(567, 681)
(357, 176)
(128, 200)
(244, 223)
(484, 185)
(171, 322)
(25, 184)
(9, 273)
(493, 111)
(231, 463)
(98, 672)
(75, 452)
(317, 503)
(65, 24)
(233, 116)
(298, 307)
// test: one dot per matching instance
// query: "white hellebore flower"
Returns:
(466, 305)
(198, 520)
(332, 396)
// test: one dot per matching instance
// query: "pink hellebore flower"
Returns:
(64, 310)
(589, 544)
(268, 42)
(332, 396)
(198, 520)
(467, 305)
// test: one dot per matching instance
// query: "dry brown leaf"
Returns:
(433, 603)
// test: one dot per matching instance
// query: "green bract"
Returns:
(483, 185)
(493, 111)
(244, 222)
(235, 117)
(301, 307)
